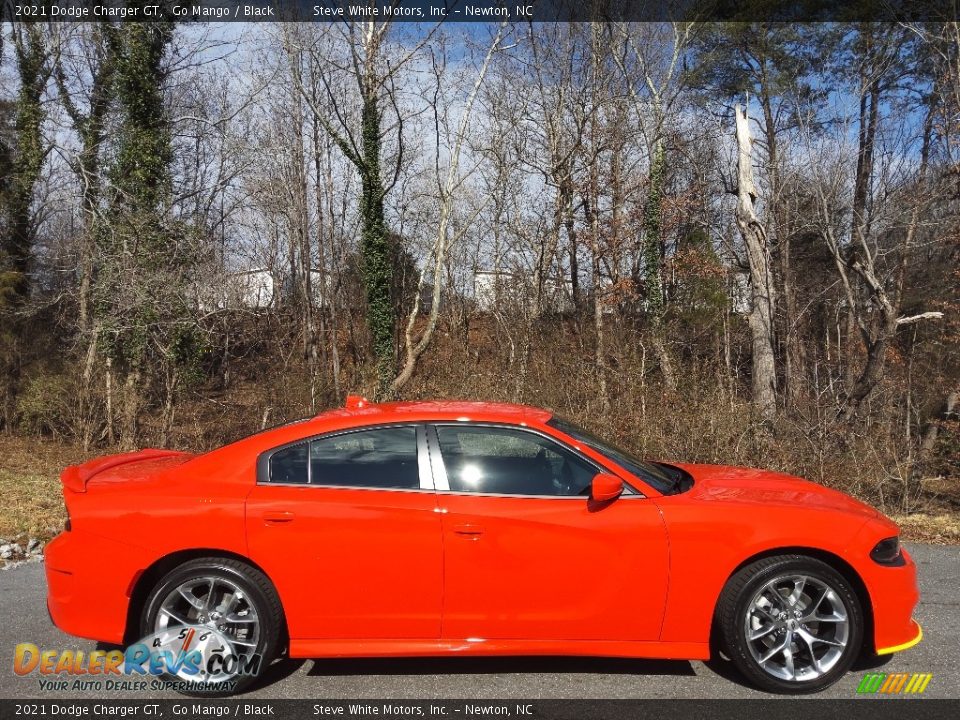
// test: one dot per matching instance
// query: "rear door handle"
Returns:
(468, 529)
(277, 517)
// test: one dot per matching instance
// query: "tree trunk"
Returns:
(16, 242)
(880, 302)
(918, 471)
(415, 347)
(108, 394)
(653, 261)
(333, 304)
(869, 103)
(131, 411)
(301, 228)
(779, 239)
(652, 225)
(375, 249)
(327, 296)
(932, 433)
(764, 377)
(86, 402)
(172, 380)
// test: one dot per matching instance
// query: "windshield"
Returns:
(655, 475)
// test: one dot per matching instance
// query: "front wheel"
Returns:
(790, 624)
(222, 617)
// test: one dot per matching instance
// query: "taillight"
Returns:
(887, 552)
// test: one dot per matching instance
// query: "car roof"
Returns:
(439, 410)
(360, 412)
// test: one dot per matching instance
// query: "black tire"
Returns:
(259, 593)
(732, 623)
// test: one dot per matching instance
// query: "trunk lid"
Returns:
(123, 467)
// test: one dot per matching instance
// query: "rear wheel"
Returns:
(791, 623)
(219, 607)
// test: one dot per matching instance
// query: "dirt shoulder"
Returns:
(934, 528)
(31, 504)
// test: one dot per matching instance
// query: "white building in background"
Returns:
(253, 289)
(496, 288)
(489, 287)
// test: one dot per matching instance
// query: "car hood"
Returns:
(719, 483)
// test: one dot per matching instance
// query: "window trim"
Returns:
(425, 480)
(440, 470)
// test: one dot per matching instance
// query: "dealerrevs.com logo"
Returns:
(894, 683)
(184, 657)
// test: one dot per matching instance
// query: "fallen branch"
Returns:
(932, 315)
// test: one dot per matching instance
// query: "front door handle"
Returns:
(277, 517)
(468, 529)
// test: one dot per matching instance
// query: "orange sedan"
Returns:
(428, 528)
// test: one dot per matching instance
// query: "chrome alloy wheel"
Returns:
(218, 604)
(796, 627)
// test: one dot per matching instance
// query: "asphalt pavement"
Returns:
(23, 618)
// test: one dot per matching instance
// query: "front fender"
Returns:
(708, 543)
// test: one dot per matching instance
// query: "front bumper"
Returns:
(894, 595)
(89, 580)
(903, 646)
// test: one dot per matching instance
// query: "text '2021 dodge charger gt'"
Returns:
(467, 528)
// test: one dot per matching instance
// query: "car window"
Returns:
(664, 478)
(378, 458)
(375, 458)
(289, 466)
(510, 462)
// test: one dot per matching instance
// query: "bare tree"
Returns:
(651, 69)
(876, 310)
(373, 69)
(448, 189)
(764, 375)
(20, 224)
(83, 71)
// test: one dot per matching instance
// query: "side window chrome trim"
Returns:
(439, 470)
(423, 459)
(263, 460)
(362, 488)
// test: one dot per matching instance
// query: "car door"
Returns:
(346, 526)
(527, 554)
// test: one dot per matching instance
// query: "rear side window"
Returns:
(381, 458)
(377, 458)
(289, 466)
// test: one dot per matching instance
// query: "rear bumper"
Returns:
(89, 581)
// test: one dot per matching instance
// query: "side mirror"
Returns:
(605, 487)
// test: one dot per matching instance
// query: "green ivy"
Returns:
(140, 287)
(27, 162)
(652, 227)
(375, 250)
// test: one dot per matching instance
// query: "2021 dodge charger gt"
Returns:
(468, 528)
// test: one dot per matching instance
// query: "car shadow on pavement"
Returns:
(724, 668)
(870, 662)
(277, 671)
(497, 666)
